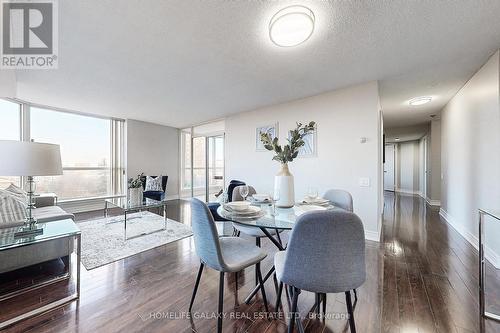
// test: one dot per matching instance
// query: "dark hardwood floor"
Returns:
(422, 277)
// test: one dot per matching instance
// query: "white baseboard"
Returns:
(489, 254)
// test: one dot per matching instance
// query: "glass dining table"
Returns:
(279, 219)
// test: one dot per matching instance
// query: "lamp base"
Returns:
(27, 231)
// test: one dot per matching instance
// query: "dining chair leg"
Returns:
(324, 305)
(221, 302)
(200, 271)
(262, 288)
(257, 243)
(350, 311)
(278, 296)
(355, 296)
(317, 303)
(293, 315)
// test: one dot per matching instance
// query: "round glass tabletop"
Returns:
(281, 218)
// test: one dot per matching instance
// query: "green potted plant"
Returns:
(284, 182)
(135, 193)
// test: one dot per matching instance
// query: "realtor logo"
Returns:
(29, 34)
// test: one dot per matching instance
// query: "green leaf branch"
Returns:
(290, 151)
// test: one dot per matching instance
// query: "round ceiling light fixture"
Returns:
(291, 26)
(419, 100)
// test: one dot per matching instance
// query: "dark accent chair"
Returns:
(214, 205)
(155, 195)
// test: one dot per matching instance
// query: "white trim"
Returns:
(372, 235)
(404, 191)
(489, 254)
(433, 202)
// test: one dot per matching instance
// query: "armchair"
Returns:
(155, 195)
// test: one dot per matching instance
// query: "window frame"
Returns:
(25, 130)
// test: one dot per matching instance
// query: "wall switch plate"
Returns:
(364, 182)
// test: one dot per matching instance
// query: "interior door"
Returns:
(389, 174)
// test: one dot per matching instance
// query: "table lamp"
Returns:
(29, 159)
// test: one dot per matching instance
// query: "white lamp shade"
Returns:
(18, 158)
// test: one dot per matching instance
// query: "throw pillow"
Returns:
(153, 184)
(18, 193)
(12, 209)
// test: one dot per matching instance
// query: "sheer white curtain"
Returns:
(117, 157)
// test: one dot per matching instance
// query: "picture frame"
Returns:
(272, 129)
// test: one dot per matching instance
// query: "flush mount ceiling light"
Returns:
(419, 100)
(397, 139)
(291, 26)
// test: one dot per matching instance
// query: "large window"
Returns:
(10, 129)
(85, 152)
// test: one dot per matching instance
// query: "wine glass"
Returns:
(312, 193)
(275, 196)
(244, 191)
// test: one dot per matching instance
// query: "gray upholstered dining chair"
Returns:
(340, 198)
(325, 254)
(224, 254)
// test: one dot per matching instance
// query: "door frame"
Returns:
(394, 152)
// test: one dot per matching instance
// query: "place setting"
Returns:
(313, 199)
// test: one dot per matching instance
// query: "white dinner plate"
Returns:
(250, 211)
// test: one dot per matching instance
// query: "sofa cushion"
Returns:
(51, 213)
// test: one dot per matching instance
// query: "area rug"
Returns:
(103, 239)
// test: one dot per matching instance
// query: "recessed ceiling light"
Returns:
(291, 26)
(397, 139)
(420, 100)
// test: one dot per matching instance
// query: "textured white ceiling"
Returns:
(184, 62)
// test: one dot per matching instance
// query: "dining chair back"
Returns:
(206, 238)
(325, 254)
(340, 198)
(236, 192)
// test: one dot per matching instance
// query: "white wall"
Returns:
(342, 118)
(471, 156)
(434, 167)
(153, 149)
(408, 167)
(8, 83)
(422, 143)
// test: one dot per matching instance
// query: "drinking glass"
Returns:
(312, 193)
(244, 191)
(274, 198)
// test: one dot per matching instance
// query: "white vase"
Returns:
(283, 186)
(135, 196)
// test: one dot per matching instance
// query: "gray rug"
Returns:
(103, 239)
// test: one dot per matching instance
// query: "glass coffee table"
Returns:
(128, 208)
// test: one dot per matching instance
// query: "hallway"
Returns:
(430, 272)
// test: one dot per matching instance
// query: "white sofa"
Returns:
(20, 257)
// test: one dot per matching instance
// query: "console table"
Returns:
(495, 214)
(63, 229)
